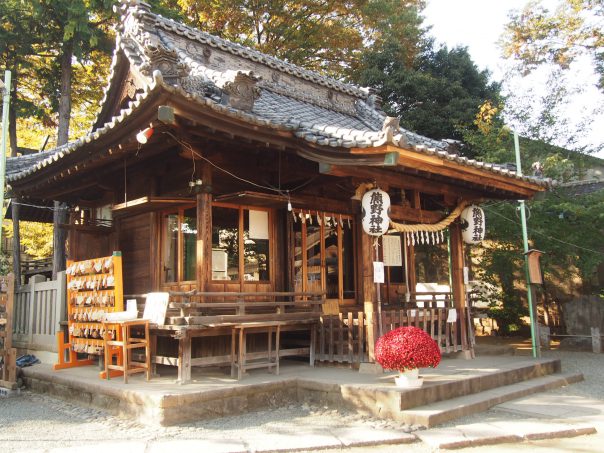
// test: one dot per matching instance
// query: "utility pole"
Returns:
(532, 307)
(5, 89)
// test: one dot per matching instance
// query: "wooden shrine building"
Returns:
(215, 168)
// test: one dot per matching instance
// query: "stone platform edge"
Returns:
(167, 408)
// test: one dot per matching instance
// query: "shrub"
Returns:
(407, 348)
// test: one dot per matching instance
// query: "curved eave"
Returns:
(117, 73)
(74, 157)
(459, 167)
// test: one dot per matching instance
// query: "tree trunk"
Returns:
(60, 209)
(65, 99)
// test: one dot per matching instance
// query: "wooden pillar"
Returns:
(204, 230)
(155, 263)
(416, 204)
(16, 242)
(59, 236)
(290, 251)
(369, 290)
(411, 265)
(459, 288)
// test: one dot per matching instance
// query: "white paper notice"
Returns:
(392, 250)
(258, 224)
(155, 307)
(131, 306)
(378, 272)
(452, 316)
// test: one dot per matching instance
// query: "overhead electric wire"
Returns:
(544, 234)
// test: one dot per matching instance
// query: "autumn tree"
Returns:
(319, 35)
(537, 36)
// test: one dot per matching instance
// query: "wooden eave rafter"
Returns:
(344, 162)
(444, 167)
(110, 146)
(401, 180)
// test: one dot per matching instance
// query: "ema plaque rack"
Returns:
(94, 288)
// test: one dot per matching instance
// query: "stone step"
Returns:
(477, 381)
(442, 411)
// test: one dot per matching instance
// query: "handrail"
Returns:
(246, 294)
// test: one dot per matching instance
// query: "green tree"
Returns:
(566, 227)
(436, 95)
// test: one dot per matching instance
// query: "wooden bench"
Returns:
(239, 359)
(196, 315)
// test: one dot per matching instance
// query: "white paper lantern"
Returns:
(376, 209)
(472, 224)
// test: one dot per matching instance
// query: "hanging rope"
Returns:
(419, 233)
(419, 227)
(430, 227)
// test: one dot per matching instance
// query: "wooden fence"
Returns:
(342, 338)
(39, 308)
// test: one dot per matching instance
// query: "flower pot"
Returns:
(409, 379)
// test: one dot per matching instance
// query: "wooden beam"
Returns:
(404, 213)
(369, 292)
(401, 180)
(121, 133)
(200, 115)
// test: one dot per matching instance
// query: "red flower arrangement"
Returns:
(407, 348)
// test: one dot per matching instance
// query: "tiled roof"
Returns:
(578, 188)
(238, 81)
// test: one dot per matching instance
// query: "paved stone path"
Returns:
(32, 422)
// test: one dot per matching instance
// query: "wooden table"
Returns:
(185, 334)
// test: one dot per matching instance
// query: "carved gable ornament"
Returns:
(166, 61)
(240, 90)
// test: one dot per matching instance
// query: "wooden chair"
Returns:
(122, 347)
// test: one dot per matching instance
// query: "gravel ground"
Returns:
(40, 422)
(33, 422)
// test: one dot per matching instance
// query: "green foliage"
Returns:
(569, 230)
(509, 314)
(436, 94)
(558, 167)
(566, 227)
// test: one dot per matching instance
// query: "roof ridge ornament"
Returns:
(374, 100)
(240, 90)
(390, 128)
